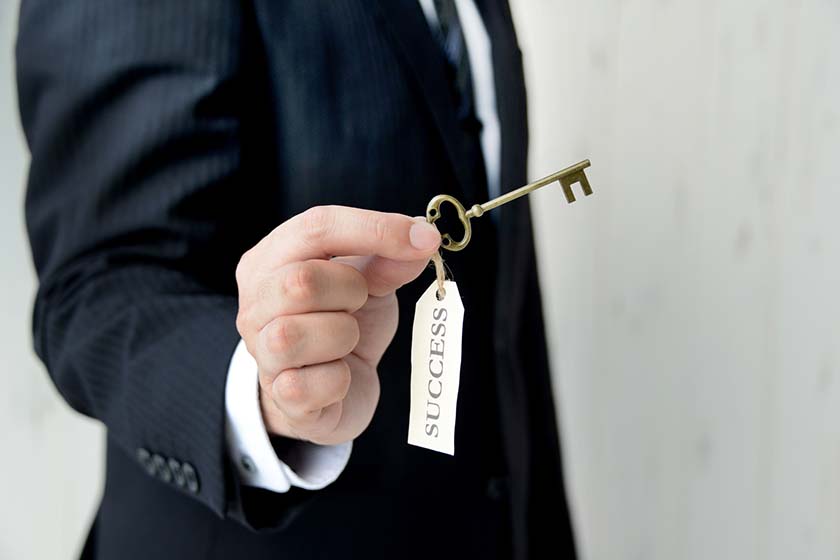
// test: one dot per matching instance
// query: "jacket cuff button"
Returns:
(191, 478)
(145, 460)
(177, 473)
(161, 468)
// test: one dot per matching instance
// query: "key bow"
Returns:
(433, 213)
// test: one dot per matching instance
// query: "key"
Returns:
(567, 177)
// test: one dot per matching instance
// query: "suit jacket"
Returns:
(167, 138)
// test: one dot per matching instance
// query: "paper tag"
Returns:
(435, 369)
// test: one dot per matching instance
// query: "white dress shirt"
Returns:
(313, 466)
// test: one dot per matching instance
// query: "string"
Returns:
(437, 259)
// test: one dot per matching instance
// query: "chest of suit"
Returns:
(353, 112)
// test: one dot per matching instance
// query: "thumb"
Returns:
(385, 275)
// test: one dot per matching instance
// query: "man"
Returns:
(218, 210)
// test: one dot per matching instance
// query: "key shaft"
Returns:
(573, 174)
(567, 177)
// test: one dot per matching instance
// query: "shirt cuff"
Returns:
(307, 465)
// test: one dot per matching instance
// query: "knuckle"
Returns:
(290, 388)
(284, 337)
(300, 284)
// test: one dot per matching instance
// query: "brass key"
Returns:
(567, 177)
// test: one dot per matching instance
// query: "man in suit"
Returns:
(218, 207)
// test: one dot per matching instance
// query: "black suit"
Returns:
(167, 138)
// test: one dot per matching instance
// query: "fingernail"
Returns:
(423, 235)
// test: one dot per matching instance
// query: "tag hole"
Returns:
(440, 294)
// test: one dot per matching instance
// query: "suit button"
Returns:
(190, 477)
(161, 469)
(145, 459)
(177, 473)
(143, 455)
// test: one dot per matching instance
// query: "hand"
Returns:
(318, 309)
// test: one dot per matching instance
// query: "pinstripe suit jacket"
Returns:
(168, 137)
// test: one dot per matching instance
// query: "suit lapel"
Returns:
(410, 32)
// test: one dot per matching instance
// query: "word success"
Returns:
(435, 369)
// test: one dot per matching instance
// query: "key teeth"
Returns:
(567, 190)
(584, 183)
(567, 182)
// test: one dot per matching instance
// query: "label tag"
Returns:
(435, 369)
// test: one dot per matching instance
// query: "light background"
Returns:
(692, 301)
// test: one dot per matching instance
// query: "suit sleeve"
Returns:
(138, 207)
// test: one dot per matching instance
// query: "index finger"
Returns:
(323, 232)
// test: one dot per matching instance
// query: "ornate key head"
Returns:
(433, 213)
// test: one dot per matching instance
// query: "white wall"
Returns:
(692, 301)
(50, 457)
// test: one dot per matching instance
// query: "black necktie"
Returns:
(451, 39)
